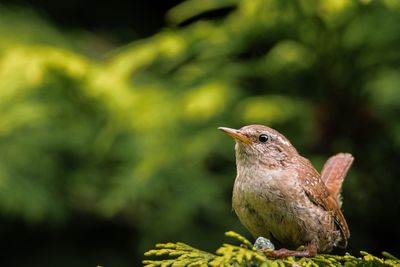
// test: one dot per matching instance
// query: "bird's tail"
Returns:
(333, 173)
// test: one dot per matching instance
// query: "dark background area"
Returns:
(108, 117)
(123, 21)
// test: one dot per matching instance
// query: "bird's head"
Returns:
(259, 143)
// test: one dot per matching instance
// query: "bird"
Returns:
(279, 195)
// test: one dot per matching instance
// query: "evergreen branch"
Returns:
(245, 255)
(185, 255)
(241, 238)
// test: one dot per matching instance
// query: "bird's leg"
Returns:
(310, 250)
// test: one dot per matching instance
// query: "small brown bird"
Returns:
(278, 194)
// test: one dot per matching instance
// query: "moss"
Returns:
(179, 254)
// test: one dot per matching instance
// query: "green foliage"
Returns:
(185, 255)
(246, 255)
(131, 135)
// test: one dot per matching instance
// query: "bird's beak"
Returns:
(236, 134)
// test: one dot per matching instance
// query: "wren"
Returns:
(278, 194)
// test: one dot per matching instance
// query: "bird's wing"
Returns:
(334, 171)
(318, 193)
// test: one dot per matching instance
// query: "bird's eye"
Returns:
(263, 138)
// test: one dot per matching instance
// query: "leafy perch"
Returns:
(179, 254)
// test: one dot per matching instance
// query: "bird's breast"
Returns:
(265, 201)
(273, 204)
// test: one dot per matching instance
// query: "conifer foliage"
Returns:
(245, 255)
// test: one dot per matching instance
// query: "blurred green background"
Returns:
(108, 117)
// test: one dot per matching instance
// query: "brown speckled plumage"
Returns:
(278, 194)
